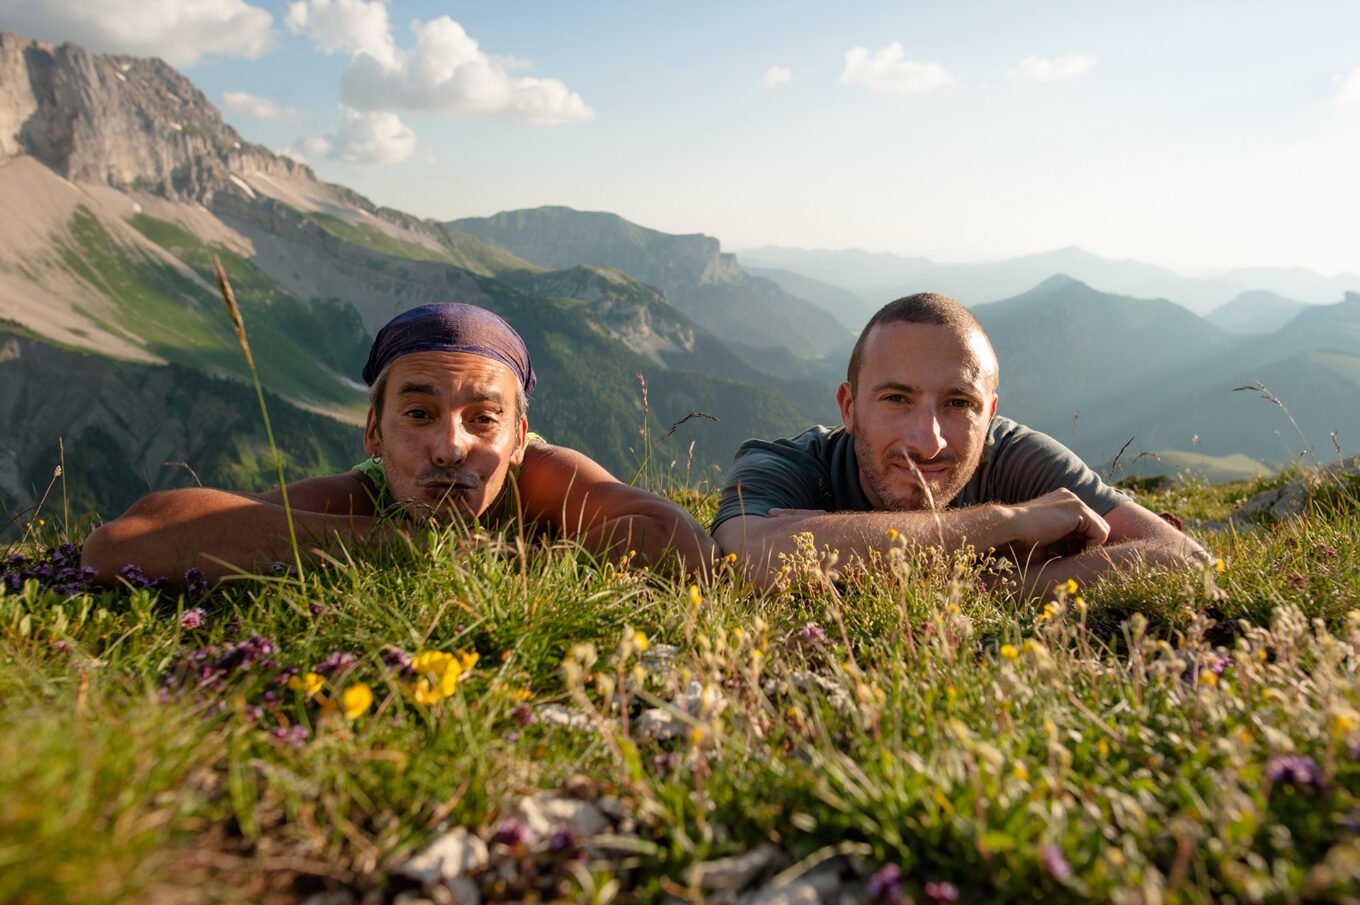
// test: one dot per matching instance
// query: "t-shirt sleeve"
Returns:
(765, 476)
(1032, 464)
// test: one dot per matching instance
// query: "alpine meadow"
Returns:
(460, 714)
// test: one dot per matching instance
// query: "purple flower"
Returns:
(942, 892)
(193, 619)
(886, 884)
(337, 664)
(397, 660)
(524, 715)
(1217, 665)
(292, 736)
(511, 832)
(561, 840)
(195, 582)
(1294, 769)
(812, 632)
(1051, 857)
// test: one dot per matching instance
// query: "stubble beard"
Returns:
(877, 474)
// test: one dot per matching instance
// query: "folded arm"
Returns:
(1127, 535)
(222, 533)
(1137, 537)
(577, 498)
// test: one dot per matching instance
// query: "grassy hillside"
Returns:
(182, 320)
(610, 735)
(129, 428)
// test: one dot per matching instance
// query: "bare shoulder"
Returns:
(348, 493)
(546, 465)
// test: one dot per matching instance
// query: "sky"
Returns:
(1196, 135)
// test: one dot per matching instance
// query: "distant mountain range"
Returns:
(877, 278)
(119, 182)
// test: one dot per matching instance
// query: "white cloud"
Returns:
(258, 107)
(776, 76)
(345, 26)
(446, 72)
(369, 137)
(1043, 69)
(181, 32)
(888, 71)
(1348, 94)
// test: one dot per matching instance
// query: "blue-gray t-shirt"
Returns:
(818, 470)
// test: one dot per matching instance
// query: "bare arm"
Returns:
(221, 533)
(578, 498)
(1056, 516)
(1137, 536)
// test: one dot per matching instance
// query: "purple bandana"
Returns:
(450, 327)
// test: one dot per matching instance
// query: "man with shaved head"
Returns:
(448, 440)
(923, 453)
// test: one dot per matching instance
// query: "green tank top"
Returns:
(382, 495)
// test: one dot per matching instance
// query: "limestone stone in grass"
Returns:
(822, 884)
(735, 873)
(542, 816)
(660, 725)
(1292, 498)
(454, 854)
(836, 696)
(559, 715)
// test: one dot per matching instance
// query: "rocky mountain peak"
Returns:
(130, 123)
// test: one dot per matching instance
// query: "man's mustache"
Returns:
(463, 479)
(921, 462)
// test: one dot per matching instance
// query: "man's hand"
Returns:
(1055, 524)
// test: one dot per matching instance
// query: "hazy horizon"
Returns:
(978, 132)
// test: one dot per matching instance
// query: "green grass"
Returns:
(957, 734)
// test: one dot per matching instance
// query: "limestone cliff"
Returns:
(121, 121)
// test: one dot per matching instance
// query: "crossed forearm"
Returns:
(219, 533)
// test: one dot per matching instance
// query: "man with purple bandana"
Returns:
(448, 440)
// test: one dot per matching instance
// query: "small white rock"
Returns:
(560, 715)
(456, 853)
(543, 815)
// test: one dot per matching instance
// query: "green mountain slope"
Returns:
(697, 278)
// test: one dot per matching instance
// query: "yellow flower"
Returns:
(520, 695)
(1071, 586)
(310, 684)
(954, 608)
(1208, 678)
(1262, 655)
(1103, 747)
(892, 534)
(1009, 652)
(1020, 771)
(731, 557)
(696, 735)
(438, 674)
(695, 598)
(640, 641)
(1030, 646)
(1220, 566)
(467, 661)
(1050, 610)
(356, 700)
